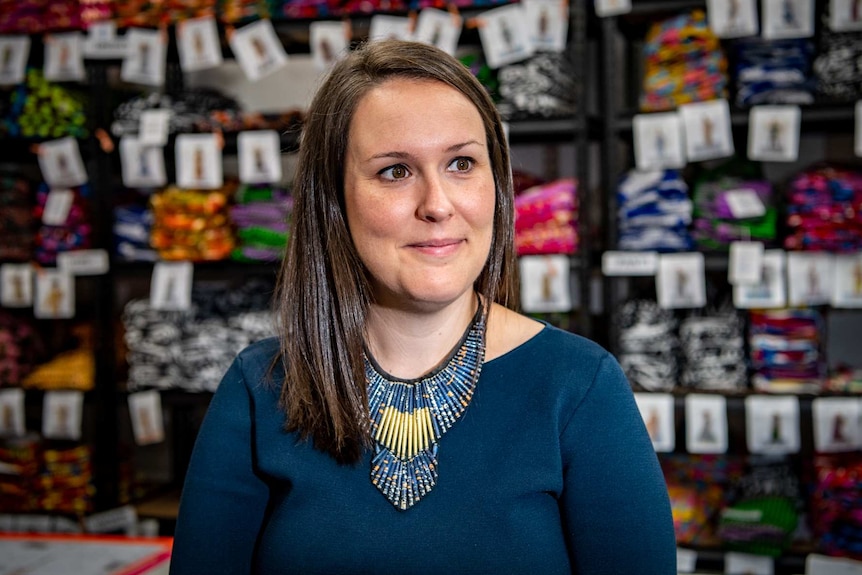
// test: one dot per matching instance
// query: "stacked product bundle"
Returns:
(73, 234)
(71, 367)
(716, 225)
(699, 487)
(17, 226)
(132, 228)
(765, 512)
(838, 65)
(34, 478)
(654, 212)
(148, 13)
(20, 349)
(546, 219)
(684, 63)
(192, 110)
(836, 518)
(191, 350)
(648, 344)
(542, 86)
(713, 352)
(824, 210)
(192, 225)
(43, 109)
(773, 71)
(37, 16)
(784, 347)
(261, 214)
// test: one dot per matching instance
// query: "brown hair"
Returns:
(323, 292)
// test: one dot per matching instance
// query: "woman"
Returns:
(406, 420)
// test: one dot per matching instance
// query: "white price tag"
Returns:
(171, 286)
(629, 263)
(744, 203)
(102, 42)
(657, 411)
(748, 564)
(57, 207)
(145, 410)
(858, 132)
(823, 565)
(12, 412)
(16, 285)
(504, 35)
(686, 560)
(154, 127)
(84, 262)
(772, 426)
(61, 414)
(746, 263)
(612, 7)
(681, 281)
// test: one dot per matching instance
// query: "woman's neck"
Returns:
(408, 343)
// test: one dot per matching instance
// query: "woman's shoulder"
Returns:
(259, 363)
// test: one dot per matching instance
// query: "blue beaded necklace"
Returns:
(408, 417)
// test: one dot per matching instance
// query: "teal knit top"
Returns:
(549, 471)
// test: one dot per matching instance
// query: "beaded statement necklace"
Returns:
(408, 417)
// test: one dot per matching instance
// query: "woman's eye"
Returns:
(394, 172)
(461, 164)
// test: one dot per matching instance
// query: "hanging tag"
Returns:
(257, 49)
(120, 519)
(788, 19)
(773, 133)
(822, 565)
(145, 410)
(772, 424)
(198, 161)
(171, 286)
(744, 203)
(142, 166)
(657, 412)
(545, 283)
(681, 281)
(438, 28)
(198, 44)
(61, 414)
(612, 7)
(154, 127)
(770, 291)
(746, 263)
(547, 23)
(658, 141)
(629, 263)
(732, 19)
(259, 157)
(145, 58)
(16, 285)
(857, 140)
(845, 15)
(61, 163)
(328, 44)
(14, 52)
(58, 204)
(12, 412)
(384, 26)
(64, 58)
(810, 277)
(84, 262)
(735, 562)
(847, 287)
(686, 560)
(708, 134)
(55, 295)
(705, 423)
(504, 35)
(102, 42)
(836, 424)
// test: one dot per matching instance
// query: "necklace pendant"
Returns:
(404, 481)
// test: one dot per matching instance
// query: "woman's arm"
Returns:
(223, 500)
(615, 504)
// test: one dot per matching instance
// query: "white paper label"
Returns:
(706, 423)
(545, 283)
(629, 263)
(102, 41)
(680, 281)
(772, 424)
(84, 262)
(504, 35)
(16, 285)
(145, 410)
(746, 263)
(57, 207)
(744, 203)
(61, 414)
(657, 411)
(686, 560)
(171, 286)
(748, 564)
(11, 412)
(823, 565)
(612, 7)
(259, 156)
(154, 127)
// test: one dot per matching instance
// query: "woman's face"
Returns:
(419, 192)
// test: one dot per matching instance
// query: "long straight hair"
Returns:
(323, 292)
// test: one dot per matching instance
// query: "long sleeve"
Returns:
(615, 506)
(223, 501)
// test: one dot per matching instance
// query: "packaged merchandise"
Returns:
(546, 218)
